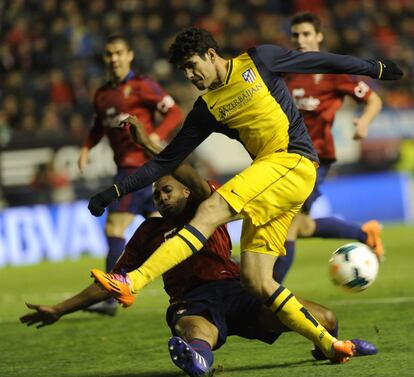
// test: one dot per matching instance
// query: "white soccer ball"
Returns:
(353, 267)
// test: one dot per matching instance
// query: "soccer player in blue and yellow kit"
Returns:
(246, 99)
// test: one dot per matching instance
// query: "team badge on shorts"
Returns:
(249, 76)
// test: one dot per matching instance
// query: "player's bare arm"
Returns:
(43, 315)
(371, 110)
(83, 158)
(140, 136)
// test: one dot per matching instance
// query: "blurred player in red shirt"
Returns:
(319, 97)
(127, 93)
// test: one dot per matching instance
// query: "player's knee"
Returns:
(189, 328)
(306, 226)
(115, 227)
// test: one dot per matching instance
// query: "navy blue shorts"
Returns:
(321, 174)
(139, 202)
(232, 310)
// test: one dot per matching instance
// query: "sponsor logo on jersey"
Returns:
(249, 76)
(238, 102)
(304, 103)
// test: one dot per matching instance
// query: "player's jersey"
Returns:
(211, 263)
(135, 95)
(254, 106)
(318, 97)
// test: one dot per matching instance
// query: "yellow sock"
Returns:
(292, 313)
(172, 252)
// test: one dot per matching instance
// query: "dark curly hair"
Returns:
(193, 41)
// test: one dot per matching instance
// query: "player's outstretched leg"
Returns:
(118, 285)
(186, 358)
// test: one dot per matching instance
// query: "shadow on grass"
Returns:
(138, 374)
(217, 371)
(256, 367)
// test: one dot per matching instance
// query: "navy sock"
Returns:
(283, 263)
(332, 227)
(116, 247)
(203, 348)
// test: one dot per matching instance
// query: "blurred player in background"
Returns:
(245, 99)
(127, 93)
(318, 98)
(206, 297)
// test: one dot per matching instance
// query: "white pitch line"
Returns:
(373, 301)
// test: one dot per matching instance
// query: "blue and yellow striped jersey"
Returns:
(254, 106)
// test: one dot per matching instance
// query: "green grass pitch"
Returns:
(133, 344)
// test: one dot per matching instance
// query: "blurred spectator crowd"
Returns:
(51, 51)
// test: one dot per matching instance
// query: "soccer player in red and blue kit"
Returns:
(318, 98)
(207, 301)
(127, 93)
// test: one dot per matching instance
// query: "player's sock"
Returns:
(116, 247)
(292, 314)
(332, 227)
(173, 251)
(283, 263)
(203, 348)
(317, 352)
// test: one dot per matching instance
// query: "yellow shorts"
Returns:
(268, 194)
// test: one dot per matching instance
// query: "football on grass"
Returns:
(353, 267)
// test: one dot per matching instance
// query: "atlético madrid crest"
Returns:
(249, 76)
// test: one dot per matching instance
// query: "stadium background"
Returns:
(51, 64)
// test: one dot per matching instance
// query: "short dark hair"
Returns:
(118, 37)
(192, 41)
(309, 17)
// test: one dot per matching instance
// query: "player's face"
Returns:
(201, 71)
(305, 38)
(118, 59)
(170, 196)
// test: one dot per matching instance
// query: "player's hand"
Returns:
(42, 316)
(389, 70)
(83, 159)
(100, 201)
(137, 130)
(361, 129)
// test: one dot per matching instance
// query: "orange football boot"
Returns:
(117, 285)
(373, 230)
(342, 350)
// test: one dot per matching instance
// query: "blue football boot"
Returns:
(363, 348)
(183, 355)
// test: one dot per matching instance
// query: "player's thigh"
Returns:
(271, 186)
(269, 238)
(304, 224)
(211, 213)
(197, 326)
(117, 222)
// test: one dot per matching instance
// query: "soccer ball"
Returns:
(353, 267)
